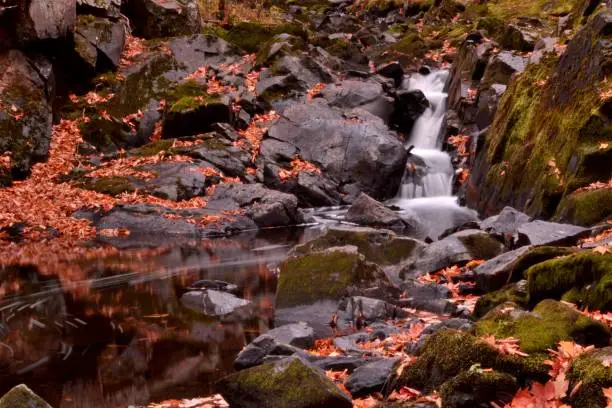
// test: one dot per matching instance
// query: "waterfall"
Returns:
(436, 178)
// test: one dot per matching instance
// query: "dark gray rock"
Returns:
(453, 323)
(496, 272)
(372, 377)
(542, 47)
(297, 334)
(197, 117)
(231, 160)
(367, 95)
(369, 212)
(370, 310)
(341, 363)
(392, 70)
(502, 66)
(164, 18)
(102, 8)
(99, 42)
(519, 37)
(291, 382)
(431, 297)
(176, 181)
(264, 348)
(26, 113)
(350, 343)
(409, 106)
(507, 221)
(44, 20)
(216, 304)
(351, 148)
(551, 233)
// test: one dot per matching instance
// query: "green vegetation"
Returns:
(590, 370)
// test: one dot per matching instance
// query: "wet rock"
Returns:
(550, 233)
(460, 247)
(409, 106)
(352, 148)
(540, 330)
(216, 304)
(370, 378)
(582, 278)
(392, 70)
(367, 95)
(477, 388)
(369, 212)
(164, 18)
(267, 208)
(592, 371)
(430, 297)
(26, 113)
(99, 42)
(510, 266)
(507, 221)
(43, 20)
(263, 349)
(288, 383)
(469, 66)
(22, 396)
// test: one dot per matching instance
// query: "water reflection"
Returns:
(112, 331)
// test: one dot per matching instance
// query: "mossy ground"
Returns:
(480, 387)
(589, 370)
(586, 208)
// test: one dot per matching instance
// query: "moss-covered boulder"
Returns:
(290, 383)
(539, 330)
(584, 278)
(382, 247)
(22, 397)
(324, 275)
(515, 293)
(586, 208)
(449, 353)
(538, 147)
(253, 36)
(477, 389)
(589, 369)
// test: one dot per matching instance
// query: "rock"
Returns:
(460, 247)
(488, 100)
(267, 208)
(298, 334)
(586, 208)
(507, 221)
(194, 115)
(370, 310)
(453, 323)
(164, 18)
(477, 388)
(99, 42)
(176, 181)
(592, 371)
(26, 113)
(392, 70)
(550, 233)
(542, 47)
(328, 274)
(469, 66)
(350, 343)
(409, 106)
(354, 148)
(367, 95)
(430, 297)
(510, 266)
(100, 8)
(288, 383)
(261, 349)
(215, 285)
(43, 20)
(341, 363)
(371, 378)
(540, 330)
(514, 294)
(502, 66)
(22, 396)
(216, 304)
(369, 212)
(519, 37)
(582, 278)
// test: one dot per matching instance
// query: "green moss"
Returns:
(586, 208)
(411, 46)
(381, 247)
(586, 271)
(22, 397)
(109, 185)
(477, 388)
(251, 36)
(482, 246)
(549, 323)
(322, 275)
(589, 370)
(188, 103)
(154, 148)
(509, 293)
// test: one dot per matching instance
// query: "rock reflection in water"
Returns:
(122, 336)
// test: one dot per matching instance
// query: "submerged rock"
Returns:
(288, 383)
(217, 304)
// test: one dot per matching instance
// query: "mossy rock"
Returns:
(154, 148)
(477, 389)
(515, 293)
(586, 208)
(379, 246)
(588, 272)
(590, 370)
(108, 185)
(252, 37)
(540, 330)
(324, 275)
(449, 353)
(22, 397)
(290, 383)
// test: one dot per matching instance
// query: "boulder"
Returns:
(431, 297)
(267, 208)
(370, 310)
(369, 212)
(354, 149)
(101, 8)
(514, 294)
(287, 383)
(551, 233)
(99, 42)
(371, 378)
(460, 247)
(452, 323)
(367, 95)
(592, 370)
(44, 20)
(175, 181)
(583, 278)
(478, 388)
(409, 106)
(519, 37)
(22, 396)
(507, 221)
(540, 330)
(25, 113)
(298, 334)
(164, 18)
(510, 266)
(263, 349)
(192, 115)
(216, 304)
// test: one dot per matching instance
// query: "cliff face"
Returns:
(551, 135)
